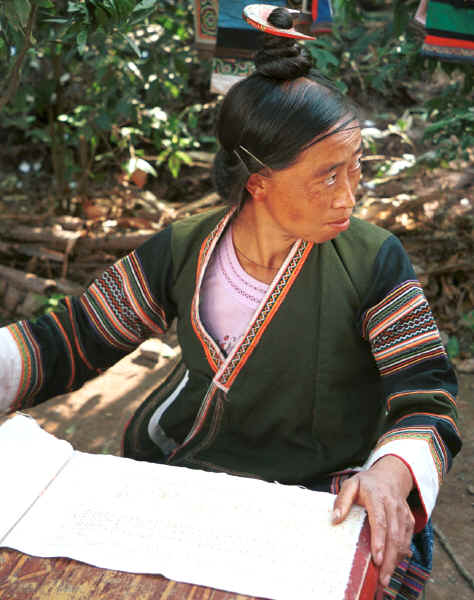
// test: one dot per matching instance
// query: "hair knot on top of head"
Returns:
(281, 18)
(269, 118)
(282, 57)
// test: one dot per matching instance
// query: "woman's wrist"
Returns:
(396, 470)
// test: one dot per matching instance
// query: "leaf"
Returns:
(132, 44)
(174, 164)
(103, 121)
(452, 347)
(468, 319)
(140, 164)
(81, 40)
(163, 156)
(323, 58)
(145, 5)
(184, 157)
(22, 8)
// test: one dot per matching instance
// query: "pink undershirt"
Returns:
(229, 295)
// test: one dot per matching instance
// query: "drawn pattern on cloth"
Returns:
(401, 329)
(32, 375)
(274, 299)
(121, 306)
(430, 435)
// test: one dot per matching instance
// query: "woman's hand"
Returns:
(382, 491)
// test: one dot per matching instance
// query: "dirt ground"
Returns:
(93, 419)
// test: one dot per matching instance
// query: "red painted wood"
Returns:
(363, 578)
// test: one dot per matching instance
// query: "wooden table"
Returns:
(24, 577)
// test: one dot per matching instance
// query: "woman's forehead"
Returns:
(341, 142)
(349, 123)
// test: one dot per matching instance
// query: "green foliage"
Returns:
(103, 80)
(369, 50)
(376, 54)
(452, 347)
(106, 83)
(451, 123)
(48, 304)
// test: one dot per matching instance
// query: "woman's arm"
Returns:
(401, 477)
(59, 351)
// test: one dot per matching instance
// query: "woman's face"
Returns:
(314, 198)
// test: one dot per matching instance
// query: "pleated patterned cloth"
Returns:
(450, 30)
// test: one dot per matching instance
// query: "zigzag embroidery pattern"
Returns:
(32, 375)
(402, 330)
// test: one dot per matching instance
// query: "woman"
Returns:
(311, 354)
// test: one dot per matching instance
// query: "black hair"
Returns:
(270, 117)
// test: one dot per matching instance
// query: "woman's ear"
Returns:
(257, 186)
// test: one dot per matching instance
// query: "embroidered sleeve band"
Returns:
(401, 329)
(59, 351)
(121, 307)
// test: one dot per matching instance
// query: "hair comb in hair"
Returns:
(257, 16)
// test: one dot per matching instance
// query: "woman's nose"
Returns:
(346, 196)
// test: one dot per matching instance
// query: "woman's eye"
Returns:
(356, 166)
(331, 180)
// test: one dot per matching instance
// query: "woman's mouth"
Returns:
(341, 224)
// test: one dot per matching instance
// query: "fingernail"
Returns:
(336, 515)
(379, 558)
(385, 580)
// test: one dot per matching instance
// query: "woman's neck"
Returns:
(259, 244)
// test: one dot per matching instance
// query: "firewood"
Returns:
(26, 281)
(116, 241)
(207, 200)
(11, 299)
(39, 285)
(53, 236)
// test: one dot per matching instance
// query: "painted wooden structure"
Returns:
(24, 577)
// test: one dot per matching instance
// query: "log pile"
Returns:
(43, 256)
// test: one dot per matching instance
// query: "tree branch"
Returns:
(15, 74)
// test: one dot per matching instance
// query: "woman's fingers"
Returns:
(398, 538)
(378, 525)
(390, 519)
(345, 499)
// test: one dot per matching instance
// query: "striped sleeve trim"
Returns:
(77, 342)
(401, 329)
(448, 421)
(68, 346)
(421, 394)
(32, 376)
(121, 306)
(11, 364)
(429, 435)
